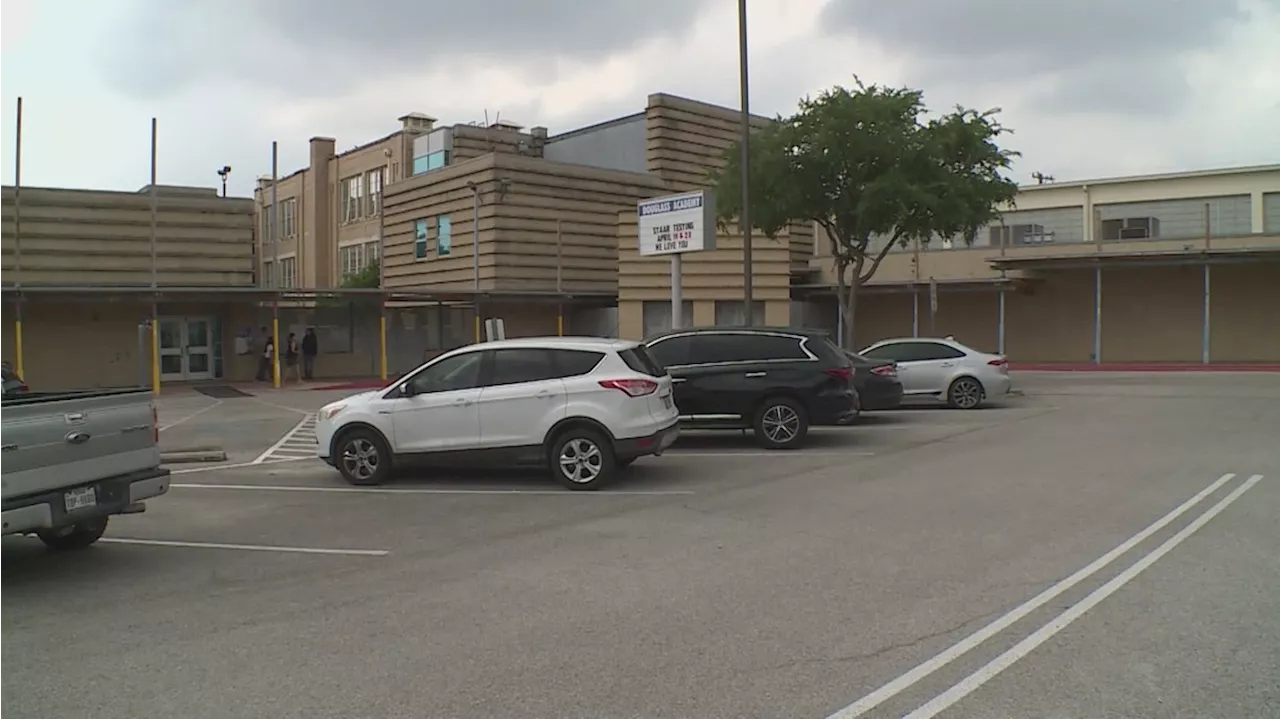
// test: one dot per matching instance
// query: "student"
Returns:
(310, 348)
(265, 349)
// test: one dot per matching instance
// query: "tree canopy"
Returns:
(870, 163)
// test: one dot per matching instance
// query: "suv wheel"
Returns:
(781, 423)
(582, 460)
(965, 393)
(363, 458)
(77, 536)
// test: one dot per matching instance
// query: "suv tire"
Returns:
(81, 535)
(363, 457)
(781, 423)
(581, 459)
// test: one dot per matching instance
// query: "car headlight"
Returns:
(327, 413)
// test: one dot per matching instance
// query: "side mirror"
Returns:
(407, 390)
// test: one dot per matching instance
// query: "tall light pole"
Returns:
(744, 218)
(224, 173)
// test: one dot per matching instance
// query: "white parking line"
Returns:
(297, 443)
(971, 683)
(193, 415)
(902, 683)
(247, 547)
(237, 465)
(675, 452)
(421, 490)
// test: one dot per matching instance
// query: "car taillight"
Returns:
(999, 362)
(633, 387)
(885, 371)
(844, 374)
(155, 424)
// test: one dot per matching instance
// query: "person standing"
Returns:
(264, 348)
(291, 358)
(310, 348)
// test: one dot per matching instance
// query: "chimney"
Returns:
(539, 133)
(417, 123)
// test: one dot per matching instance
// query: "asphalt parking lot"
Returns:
(1104, 546)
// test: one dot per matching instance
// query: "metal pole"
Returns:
(1000, 322)
(745, 140)
(915, 311)
(142, 352)
(1097, 315)
(155, 301)
(275, 264)
(382, 275)
(18, 364)
(677, 292)
(559, 278)
(17, 209)
(475, 252)
(1204, 340)
(840, 324)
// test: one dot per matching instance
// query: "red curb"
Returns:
(1140, 367)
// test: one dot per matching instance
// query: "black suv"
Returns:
(775, 381)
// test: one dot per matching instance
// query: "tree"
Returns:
(868, 164)
(369, 277)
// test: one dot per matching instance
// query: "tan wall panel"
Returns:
(973, 318)
(84, 237)
(1052, 321)
(1245, 313)
(1152, 315)
(880, 317)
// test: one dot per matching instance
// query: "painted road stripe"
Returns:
(971, 683)
(419, 490)
(287, 446)
(247, 547)
(238, 465)
(897, 686)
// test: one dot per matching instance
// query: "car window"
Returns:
(717, 347)
(936, 351)
(671, 351)
(571, 363)
(913, 352)
(639, 359)
(461, 371)
(514, 366)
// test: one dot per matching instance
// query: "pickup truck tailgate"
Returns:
(71, 439)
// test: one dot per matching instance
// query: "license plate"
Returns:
(80, 498)
(666, 401)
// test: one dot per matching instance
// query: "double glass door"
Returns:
(186, 348)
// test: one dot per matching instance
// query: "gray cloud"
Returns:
(317, 47)
(1089, 54)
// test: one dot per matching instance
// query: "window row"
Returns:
(490, 368)
(288, 218)
(285, 276)
(431, 161)
(361, 195)
(725, 347)
(352, 259)
(429, 232)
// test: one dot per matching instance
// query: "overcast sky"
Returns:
(1092, 87)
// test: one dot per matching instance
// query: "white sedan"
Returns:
(945, 369)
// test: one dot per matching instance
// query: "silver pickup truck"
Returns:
(70, 460)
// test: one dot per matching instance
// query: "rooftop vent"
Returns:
(417, 122)
(506, 125)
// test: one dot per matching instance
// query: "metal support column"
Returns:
(915, 311)
(677, 292)
(1097, 315)
(155, 304)
(559, 279)
(475, 255)
(1208, 298)
(18, 365)
(276, 217)
(748, 268)
(1000, 322)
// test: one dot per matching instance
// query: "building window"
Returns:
(288, 272)
(350, 260)
(352, 191)
(1024, 234)
(372, 253)
(429, 162)
(373, 180)
(268, 278)
(444, 235)
(420, 228)
(288, 217)
(1131, 228)
(268, 224)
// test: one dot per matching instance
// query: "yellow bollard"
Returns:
(382, 345)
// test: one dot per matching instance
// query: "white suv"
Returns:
(583, 406)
